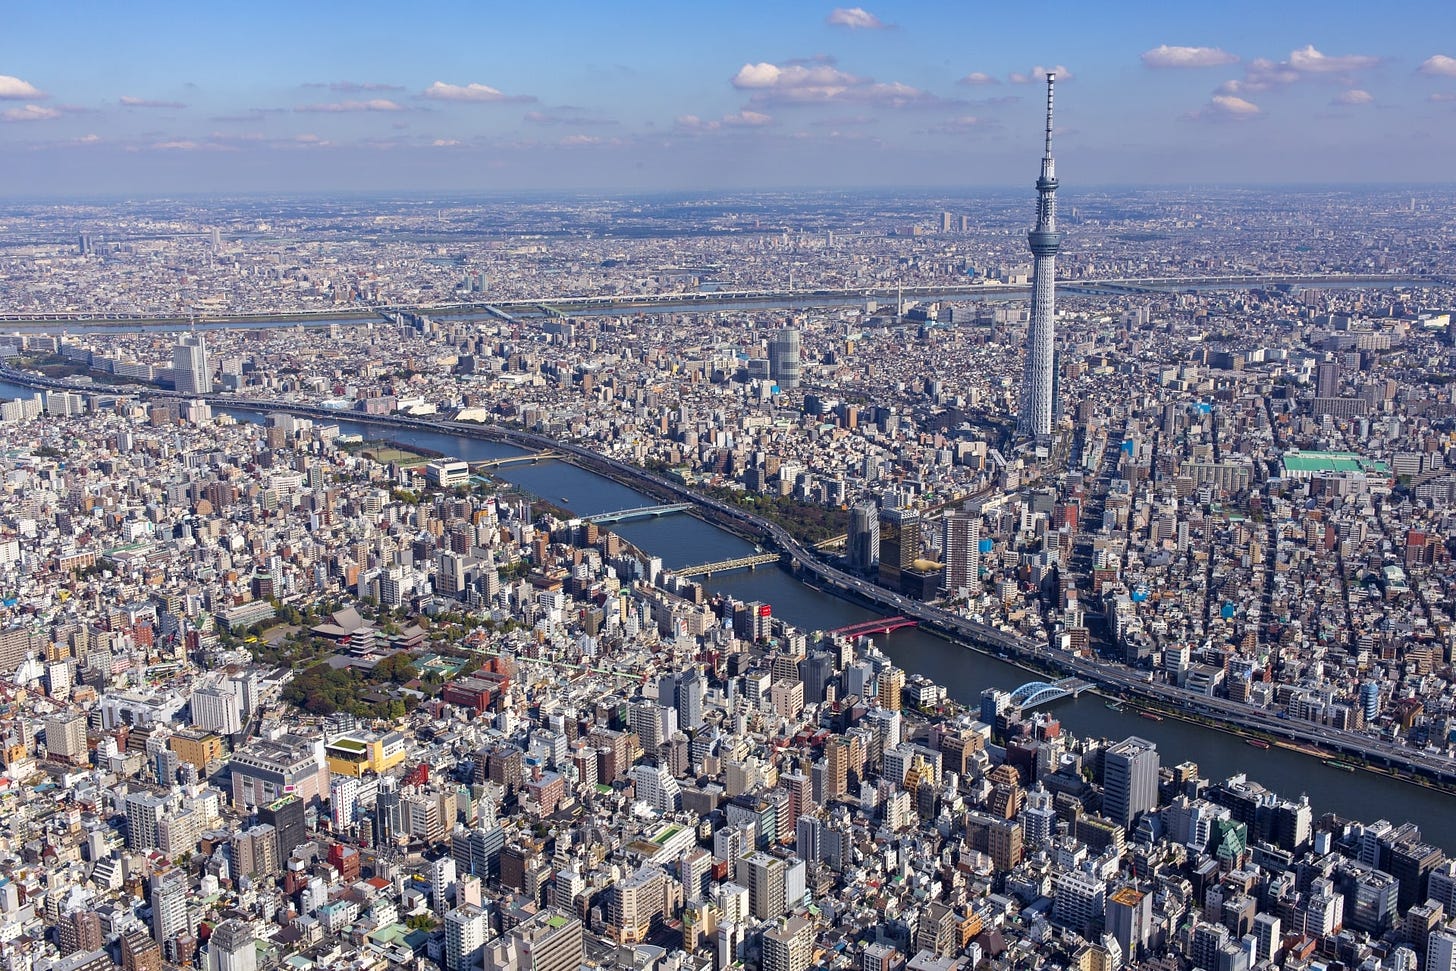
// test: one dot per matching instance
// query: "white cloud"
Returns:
(763, 76)
(1437, 65)
(1441, 97)
(747, 118)
(978, 77)
(1166, 55)
(822, 83)
(445, 143)
(29, 113)
(473, 92)
(1310, 61)
(128, 101)
(14, 89)
(579, 141)
(1354, 96)
(1227, 107)
(855, 18)
(1263, 74)
(373, 104)
(1039, 73)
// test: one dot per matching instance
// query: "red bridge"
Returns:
(881, 626)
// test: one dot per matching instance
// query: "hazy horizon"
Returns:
(156, 99)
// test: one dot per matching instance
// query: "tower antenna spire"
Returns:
(1051, 80)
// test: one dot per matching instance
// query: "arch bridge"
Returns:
(1035, 693)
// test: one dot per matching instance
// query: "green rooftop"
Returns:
(1331, 462)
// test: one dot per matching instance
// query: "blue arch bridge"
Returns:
(1035, 693)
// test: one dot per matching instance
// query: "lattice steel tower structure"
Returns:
(1038, 386)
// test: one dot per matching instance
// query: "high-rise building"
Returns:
(343, 801)
(764, 876)
(170, 916)
(899, 544)
(788, 946)
(1037, 381)
(66, 736)
(863, 541)
(79, 930)
(1129, 780)
(465, 931)
(1441, 951)
(144, 812)
(961, 549)
(286, 816)
(191, 371)
(550, 941)
(232, 947)
(1327, 379)
(690, 689)
(784, 356)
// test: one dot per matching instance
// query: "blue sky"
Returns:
(225, 97)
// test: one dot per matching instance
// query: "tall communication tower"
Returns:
(1038, 387)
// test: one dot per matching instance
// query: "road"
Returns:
(1109, 676)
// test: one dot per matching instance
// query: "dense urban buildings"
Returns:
(298, 672)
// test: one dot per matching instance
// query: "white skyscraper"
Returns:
(191, 371)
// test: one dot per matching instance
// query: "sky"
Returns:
(146, 98)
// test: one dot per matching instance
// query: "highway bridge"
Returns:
(529, 459)
(724, 566)
(1117, 678)
(639, 512)
(881, 625)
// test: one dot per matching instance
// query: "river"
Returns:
(681, 540)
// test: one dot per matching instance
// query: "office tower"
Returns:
(465, 931)
(961, 550)
(1327, 382)
(286, 816)
(784, 357)
(945, 222)
(690, 688)
(899, 544)
(863, 541)
(550, 941)
(1129, 780)
(1044, 240)
(1441, 951)
(1129, 919)
(191, 372)
(231, 948)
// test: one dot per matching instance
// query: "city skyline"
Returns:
(653, 97)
